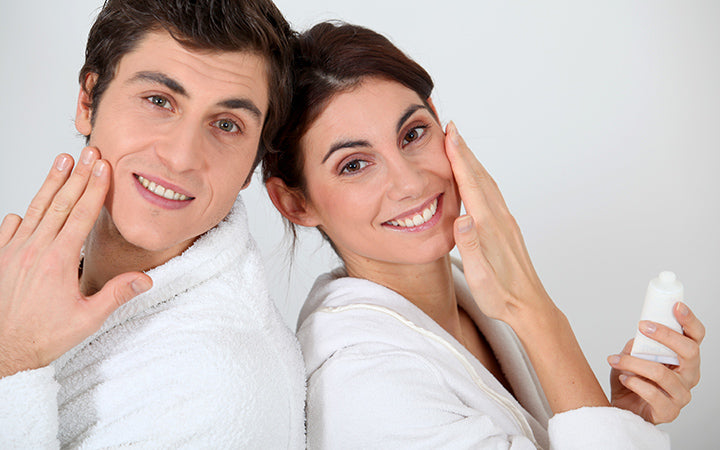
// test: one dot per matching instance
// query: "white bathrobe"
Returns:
(383, 374)
(202, 360)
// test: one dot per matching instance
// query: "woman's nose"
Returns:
(407, 179)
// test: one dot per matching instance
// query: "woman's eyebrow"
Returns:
(409, 111)
(344, 144)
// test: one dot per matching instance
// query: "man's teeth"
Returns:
(161, 190)
(419, 218)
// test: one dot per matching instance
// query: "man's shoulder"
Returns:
(189, 356)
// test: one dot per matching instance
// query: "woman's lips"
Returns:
(424, 217)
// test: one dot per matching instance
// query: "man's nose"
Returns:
(182, 149)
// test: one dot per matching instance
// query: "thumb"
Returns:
(119, 291)
(628, 347)
(475, 265)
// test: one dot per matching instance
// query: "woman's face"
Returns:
(379, 183)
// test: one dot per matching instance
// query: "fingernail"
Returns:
(623, 378)
(647, 327)
(682, 309)
(454, 134)
(140, 285)
(465, 224)
(62, 162)
(86, 156)
(98, 168)
(613, 359)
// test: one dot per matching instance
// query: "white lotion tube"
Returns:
(662, 294)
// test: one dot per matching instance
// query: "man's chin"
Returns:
(140, 238)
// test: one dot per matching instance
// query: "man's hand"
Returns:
(43, 314)
(652, 390)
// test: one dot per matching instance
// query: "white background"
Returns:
(599, 120)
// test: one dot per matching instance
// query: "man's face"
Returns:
(180, 129)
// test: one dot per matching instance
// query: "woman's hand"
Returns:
(497, 265)
(652, 390)
(505, 285)
(43, 314)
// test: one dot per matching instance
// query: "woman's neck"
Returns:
(429, 286)
(107, 254)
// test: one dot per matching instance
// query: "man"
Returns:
(165, 335)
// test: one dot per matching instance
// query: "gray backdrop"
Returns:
(600, 121)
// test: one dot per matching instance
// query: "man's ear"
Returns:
(291, 203)
(83, 113)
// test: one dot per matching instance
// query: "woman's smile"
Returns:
(375, 163)
(420, 219)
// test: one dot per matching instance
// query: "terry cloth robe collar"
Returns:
(337, 289)
(201, 261)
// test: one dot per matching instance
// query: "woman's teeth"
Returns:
(161, 190)
(419, 218)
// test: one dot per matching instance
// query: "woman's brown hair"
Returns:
(331, 58)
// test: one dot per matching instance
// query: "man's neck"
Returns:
(107, 254)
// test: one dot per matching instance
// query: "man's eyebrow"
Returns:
(344, 144)
(175, 86)
(409, 112)
(160, 78)
(242, 103)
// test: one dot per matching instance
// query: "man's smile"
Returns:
(161, 190)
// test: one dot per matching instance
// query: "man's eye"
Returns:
(413, 135)
(354, 166)
(227, 125)
(157, 100)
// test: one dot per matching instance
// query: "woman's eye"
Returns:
(159, 101)
(413, 135)
(354, 166)
(227, 125)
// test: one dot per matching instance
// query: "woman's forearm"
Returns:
(564, 373)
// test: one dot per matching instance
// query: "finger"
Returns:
(475, 264)
(40, 203)
(663, 408)
(628, 347)
(665, 378)
(692, 327)
(9, 226)
(85, 212)
(64, 201)
(686, 348)
(477, 188)
(117, 292)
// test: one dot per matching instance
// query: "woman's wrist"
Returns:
(535, 319)
(556, 356)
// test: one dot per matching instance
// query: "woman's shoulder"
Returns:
(344, 314)
(359, 306)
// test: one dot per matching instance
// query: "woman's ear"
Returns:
(83, 113)
(291, 203)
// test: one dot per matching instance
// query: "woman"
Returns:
(402, 348)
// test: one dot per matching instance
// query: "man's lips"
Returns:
(163, 189)
(163, 195)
